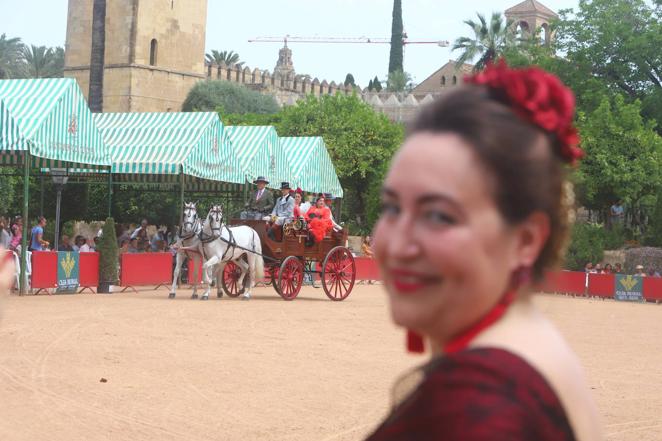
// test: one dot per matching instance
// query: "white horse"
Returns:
(222, 244)
(189, 244)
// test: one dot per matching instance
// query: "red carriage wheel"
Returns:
(230, 280)
(338, 273)
(290, 278)
(273, 274)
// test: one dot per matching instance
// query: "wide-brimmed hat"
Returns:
(639, 267)
(328, 196)
(260, 179)
(285, 186)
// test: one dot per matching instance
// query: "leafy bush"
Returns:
(654, 234)
(614, 238)
(209, 96)
(586, 245)
(108, 259)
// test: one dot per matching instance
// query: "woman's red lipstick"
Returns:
(408, 282)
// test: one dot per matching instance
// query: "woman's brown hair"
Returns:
(523, 159)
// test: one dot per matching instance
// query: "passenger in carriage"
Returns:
(283, 211)
(298, 206)
(319, 222)
(260, 203)
(328, 197)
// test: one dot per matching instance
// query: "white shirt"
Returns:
(86, 249)
(304, 207)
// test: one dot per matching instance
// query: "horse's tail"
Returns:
(259, 261)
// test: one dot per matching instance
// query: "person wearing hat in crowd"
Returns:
(328, 197)
(640, 271)
(282, 212)
(260, 202)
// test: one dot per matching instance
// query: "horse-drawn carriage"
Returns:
(288, 260)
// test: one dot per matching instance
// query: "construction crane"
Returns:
(342, 40)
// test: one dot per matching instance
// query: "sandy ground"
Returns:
(310, 369)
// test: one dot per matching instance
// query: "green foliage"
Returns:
(376, 84)
(623, 155)
(397, 39)
(489, 42)
(9, 195)
(226, 57)
(360, 141)
(11, 58)
(211, 95)
(399, 81)
(349, 79)
(250, 119)
(370, 87)
(654, 234)
(109, 255)
(586, 245)
(43, 62)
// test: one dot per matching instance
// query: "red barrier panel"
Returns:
(567, 282)
(44, 270)
(366, 269)
(190, 272)
(601, 285)
(145, 269)
(653, 288)
(88, 270)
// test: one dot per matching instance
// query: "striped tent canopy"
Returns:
(194, 143)
(311, 165)
(260, 153)
(50, 119)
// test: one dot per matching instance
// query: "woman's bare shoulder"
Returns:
(526, 332)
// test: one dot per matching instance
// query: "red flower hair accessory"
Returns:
(540, 98)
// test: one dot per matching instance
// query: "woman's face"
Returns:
(297, 198)
(445, 252)
(320, 203)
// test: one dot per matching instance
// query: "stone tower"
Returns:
(531, 15)
(154, 53)
(284, 70)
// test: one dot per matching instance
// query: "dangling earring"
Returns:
(415, 342)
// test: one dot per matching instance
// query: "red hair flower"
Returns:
(540, 98)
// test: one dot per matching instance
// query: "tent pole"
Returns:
(182, 183)
(26, 223)
(41, 198)
(110, 194)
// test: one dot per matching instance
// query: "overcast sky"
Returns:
(231, 23)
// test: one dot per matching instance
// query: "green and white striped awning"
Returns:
(311, 165)
(50, 119)
(260, 153)
(194, 143)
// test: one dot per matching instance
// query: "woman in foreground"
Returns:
(475, 208)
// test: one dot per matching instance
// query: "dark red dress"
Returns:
(478, 395)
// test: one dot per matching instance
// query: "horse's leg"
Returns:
(207, 267)
(193, 276)
(219, 279)
(179, 259)
(250, 272)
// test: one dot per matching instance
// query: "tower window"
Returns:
(454, 79)
(153, 48)
(443, 80)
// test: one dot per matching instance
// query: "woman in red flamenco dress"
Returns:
(319, 220)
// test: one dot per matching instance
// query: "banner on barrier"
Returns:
(629, 288)
(67, 271)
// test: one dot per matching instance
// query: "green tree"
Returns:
(399, 81)
(108, 255)
(489, 41)
(227, 57)
(11, 58)
(251, 119)
(397, 39)
(654, 236)
(370, 86)
(349, 79)
(43, 62)
(376, 84)
(227, 97)
(623, 156)
(360, 141)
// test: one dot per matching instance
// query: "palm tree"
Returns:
(216, 57)
(95, 96)
(11, 57)
(43, 62)
(489, 41)
(399, 81)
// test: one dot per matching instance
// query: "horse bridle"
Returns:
(192, 224)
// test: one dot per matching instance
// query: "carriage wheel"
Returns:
(230, 280)
(273, 273)
(290, 278)
(338, 273)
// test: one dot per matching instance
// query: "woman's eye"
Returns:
(389, 209)
(439, 217)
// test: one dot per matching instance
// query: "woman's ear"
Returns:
(532, 234)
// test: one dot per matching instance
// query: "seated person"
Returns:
(319, 222)
(283, 211)
(260, 203)
(329, 203)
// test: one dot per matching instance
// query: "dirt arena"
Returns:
(310, 369)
